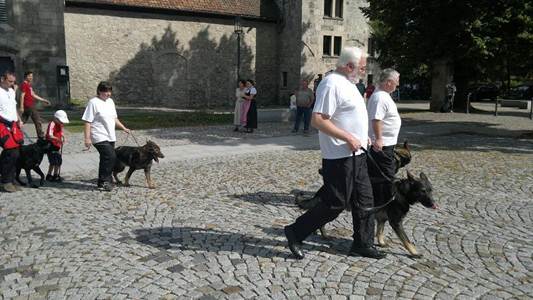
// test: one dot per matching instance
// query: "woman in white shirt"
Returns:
(100, 118)
(239, 99)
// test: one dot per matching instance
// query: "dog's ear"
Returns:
(423, 176)
(406, 145)
(425, 179)
(410, 176)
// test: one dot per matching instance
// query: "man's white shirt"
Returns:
(382, 107)
(339, 99)
(8, 105)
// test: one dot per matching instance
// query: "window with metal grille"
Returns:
(3, 11)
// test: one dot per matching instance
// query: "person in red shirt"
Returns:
(54, 133)
(27, 103)
(369, 90)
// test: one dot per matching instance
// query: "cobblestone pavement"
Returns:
(213, 227)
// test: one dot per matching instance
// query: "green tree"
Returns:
(475, 39)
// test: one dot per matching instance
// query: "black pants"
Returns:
(340, 190)
(382, 188)
(107, 161)
(8, 164)
(54, 156)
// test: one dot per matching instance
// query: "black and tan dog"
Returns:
(408, 191)
(30, 158)
(402, 157)
(137, 158)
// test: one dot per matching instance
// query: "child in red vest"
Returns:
(54, 134)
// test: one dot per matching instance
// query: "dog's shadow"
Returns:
(66, 184)
(267, 198)
(211, 240)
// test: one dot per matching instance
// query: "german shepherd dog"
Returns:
(408, 191)
(137, 158)
(30, 158)
(402, 157)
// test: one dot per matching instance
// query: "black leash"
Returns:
(373, 209)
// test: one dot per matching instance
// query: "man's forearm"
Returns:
(377, 125)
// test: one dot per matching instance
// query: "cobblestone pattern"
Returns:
(213, 229)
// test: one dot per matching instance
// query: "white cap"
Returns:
(61, 115)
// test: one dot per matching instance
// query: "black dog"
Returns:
(402, 157)
(30, 158)
(137, 158)
(408, 191)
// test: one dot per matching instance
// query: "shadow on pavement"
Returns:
(267, 198)
(212, 240)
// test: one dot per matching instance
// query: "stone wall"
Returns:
(290, 47)
(34, 39)
(165, 60)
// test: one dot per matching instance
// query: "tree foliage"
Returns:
(481, 39)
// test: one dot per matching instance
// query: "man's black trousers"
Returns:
(381, 186)
(345, 185)
(8, 164)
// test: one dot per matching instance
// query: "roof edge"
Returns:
(165, 11)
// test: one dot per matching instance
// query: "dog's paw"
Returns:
(126, 184)
(383, 245)
(151, 186)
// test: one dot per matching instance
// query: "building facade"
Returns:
(185, 54)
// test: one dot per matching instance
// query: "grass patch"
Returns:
(151, 120)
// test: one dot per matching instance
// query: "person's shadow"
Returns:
(213, 240)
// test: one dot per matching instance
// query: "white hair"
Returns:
(387, 74)
(350, 55)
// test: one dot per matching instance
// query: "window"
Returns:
(338, 8)
(332, 43)
(284, 79)
(3, 11)
(327, 45)
(328, 5)
(337, 45)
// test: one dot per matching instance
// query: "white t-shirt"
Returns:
(8, 105)
(382, 107)
(102, 115)
(338, 98)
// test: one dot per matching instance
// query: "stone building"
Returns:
(179, 53)
(32, 37)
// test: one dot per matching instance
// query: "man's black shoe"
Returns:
(370, 252)
(294, 245)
